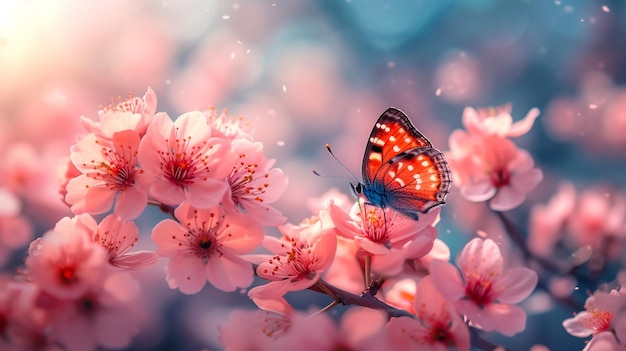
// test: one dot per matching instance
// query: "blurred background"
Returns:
(306, 73)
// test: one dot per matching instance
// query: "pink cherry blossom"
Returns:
(25, 324)
(547, 221)
(252, 330)
(230, 127)
(389, 238)
(65, 262)
(497, 121)
(106, 315)
(254, 184)
(346, 270)
(205, 245)
(437, 327)
(23, 171)
(599, 213)
(109, 173)
(495, 170)
(485, 293)
(118, 237)
(132, 113)
(298, 259)
(184, 161)
(359, 329)
(604, 319)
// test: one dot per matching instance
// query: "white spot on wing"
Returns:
(396, 148)
(400, 181)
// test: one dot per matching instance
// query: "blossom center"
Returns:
(478, 289)
(298, 264)
(500, 178)
(439, 334)
(242, 176)
(599, 320)
(117, 170)
(68, 275)
(375, 226)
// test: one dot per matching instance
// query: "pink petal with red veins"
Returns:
(167, 235)
(229, 273)
(447, 280)
(515, 285)
(482, 190)
(185, 272)
(507, 198)
(524, 125)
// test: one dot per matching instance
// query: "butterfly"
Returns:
(401, 168)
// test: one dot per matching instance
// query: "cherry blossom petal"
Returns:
(479, 191)
(207, 193)
(482, 257)
(506, 319)
(185, 272)
(447, 280)
(507, 198)
(498, 125)
(229, 273)
(161, 235)
(524, 125)
(516, 285)
(527, 181)
(130, 203)
(576, 326)
(269, 297)
(136, 260)
(89, 197)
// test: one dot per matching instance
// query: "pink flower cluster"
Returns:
(486, 164)
(604, 319)
(358, 246)
(204, 168)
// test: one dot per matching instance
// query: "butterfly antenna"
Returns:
(341, 164)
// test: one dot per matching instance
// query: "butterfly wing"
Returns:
(401, 169)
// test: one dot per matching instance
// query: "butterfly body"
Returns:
(401, 168)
